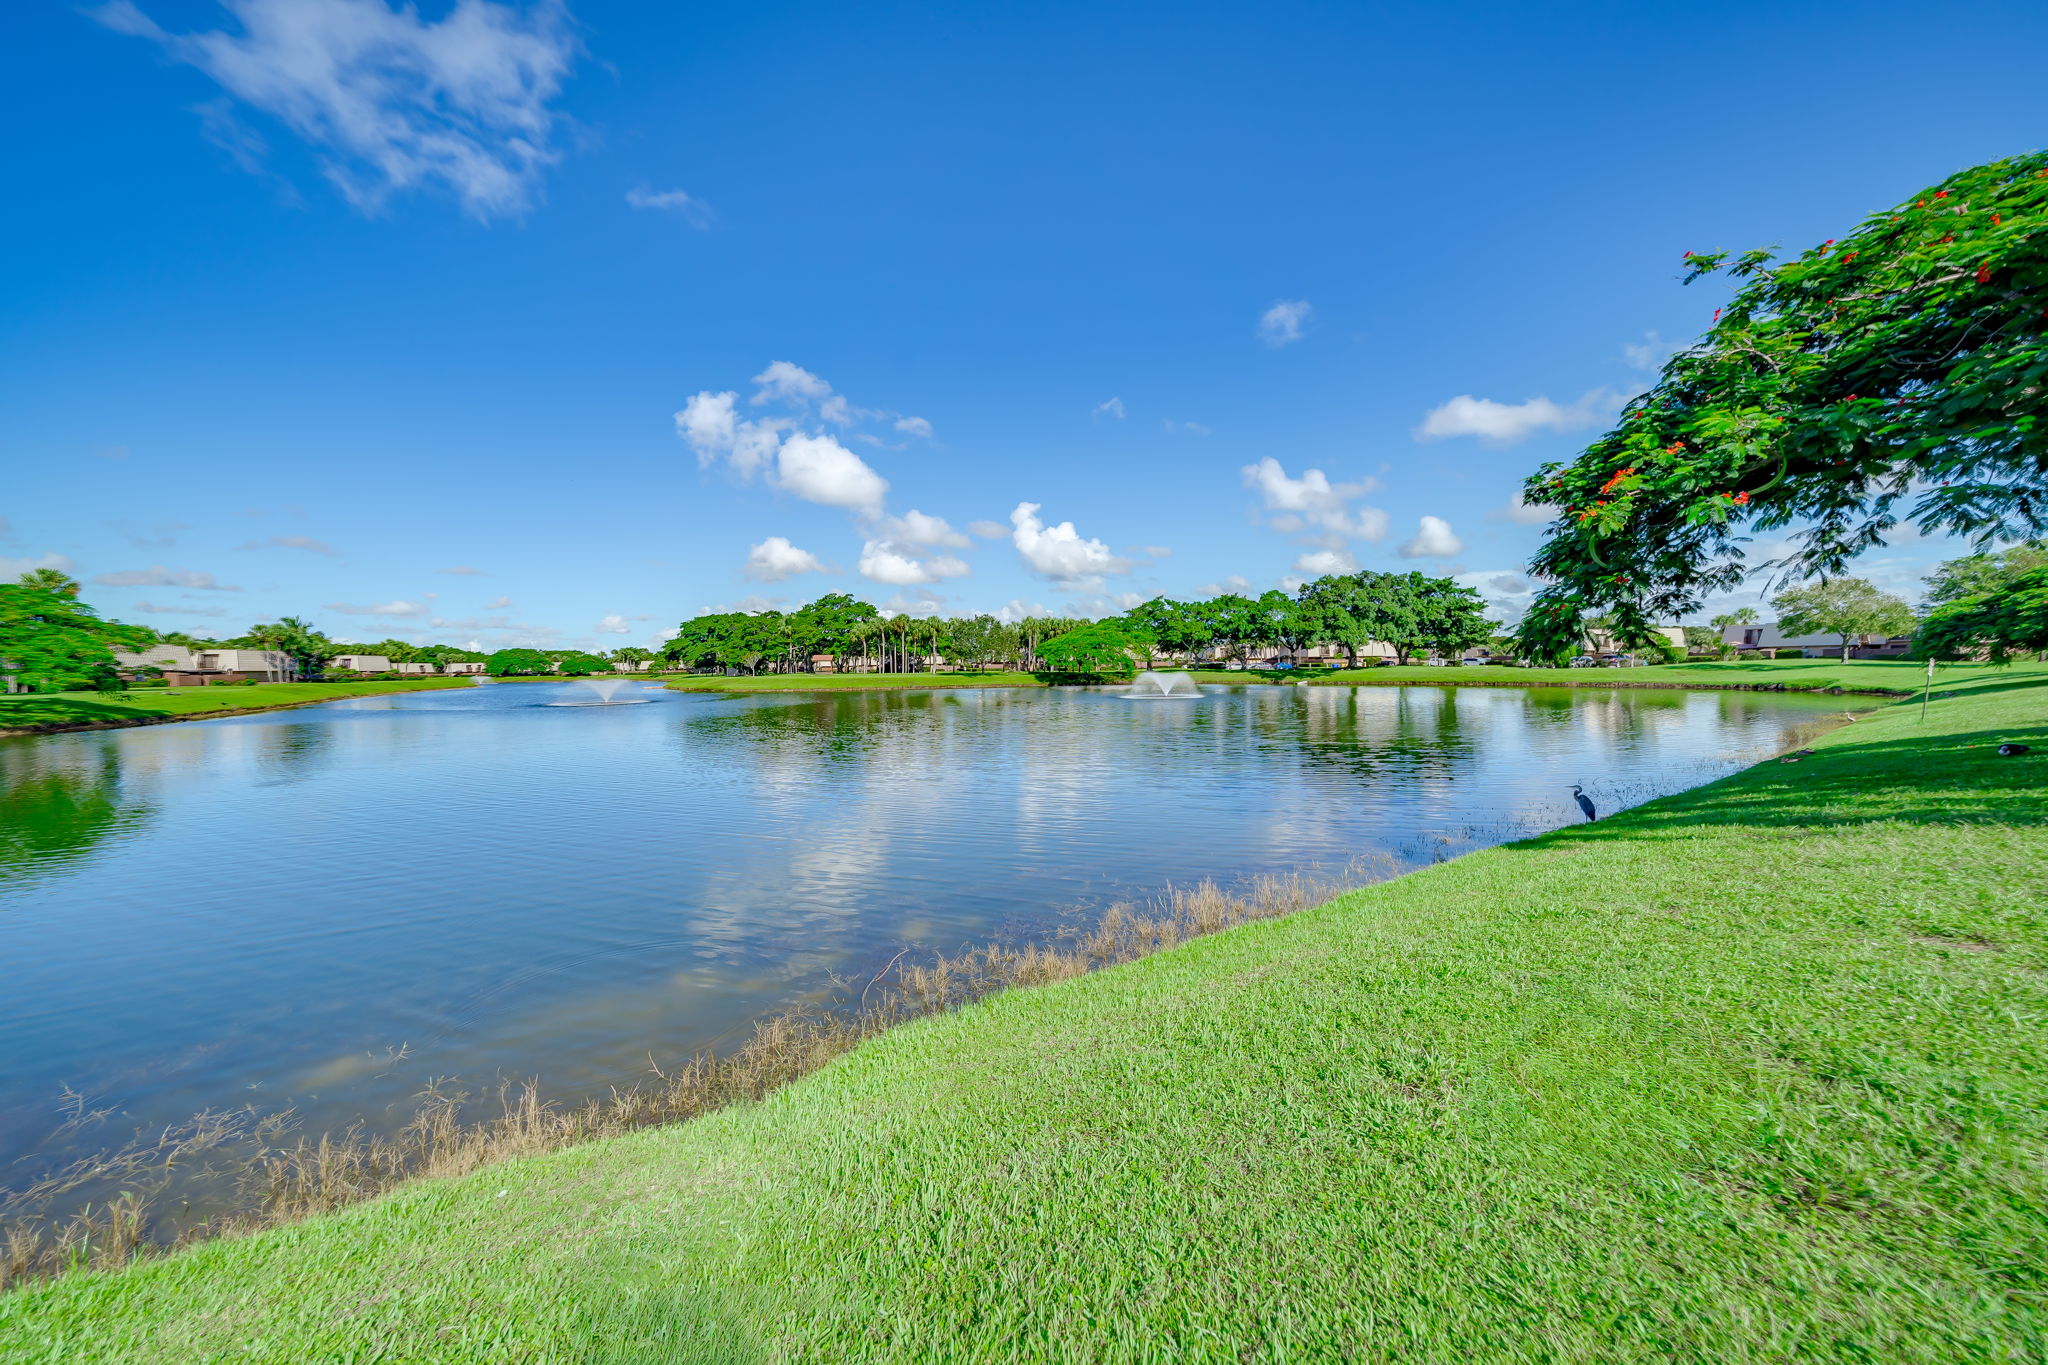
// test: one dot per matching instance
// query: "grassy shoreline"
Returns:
(1886, 677)
(1750, 1073)
(42, 713)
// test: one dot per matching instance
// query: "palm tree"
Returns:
(50, 580)
(295, 638)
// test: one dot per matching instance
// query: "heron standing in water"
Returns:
(1585, 802)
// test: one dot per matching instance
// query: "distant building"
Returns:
(417, 667)
(183, 667)
(1768, 638)
(360, 663)
(463, 666)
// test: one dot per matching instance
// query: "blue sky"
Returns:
(422, 322)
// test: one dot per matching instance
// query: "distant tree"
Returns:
(1346, 611)
(1178, 629)
(577, 664)
(1848, 607)
(827, 626)
(298, 641)
(631, 656)
(52, 642)
(1233, 624)
(1741, 616)
(1702, 637)
(1977, 575)
(2010, 619)
(974, 640)
(1893, 376)
(509, 663)
(50, 580)
(1286, 625)
(1097, 647)
(1434, 615)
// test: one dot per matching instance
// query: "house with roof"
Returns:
(1768, 638)
(359, 663)
(206, 665)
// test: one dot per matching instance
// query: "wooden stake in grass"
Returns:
(1925, 688)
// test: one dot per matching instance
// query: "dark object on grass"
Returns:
(2011, 750)
(1585, 801)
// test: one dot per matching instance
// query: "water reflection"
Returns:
(59, 799)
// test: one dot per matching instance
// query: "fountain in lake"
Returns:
(1150, 686)
(607, 689)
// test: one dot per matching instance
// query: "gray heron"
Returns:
(1585, 801)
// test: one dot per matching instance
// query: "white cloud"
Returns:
(1506, 423)
(886, 563)
(989, 530)
(1316, 563)
(775, 559)
(1281, 324)
(157, 576)
(306, 543)
(1312, 503)
(837, 411)
(1059, 552)
(498, 604)
(1156, 551)
(819, 469)
(613, 624)
(918, 529)
(783, 382)
(914, 426)
(1192, 428)
(1524, 513)
(711, 425)
(461, 570)
(688, 207)
(390, 102)
(379, 609)
(924, 603)
(1113, 407)
(1433, 539)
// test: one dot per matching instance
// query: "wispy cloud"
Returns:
(1312, 506)
(306, 543)
(388, 101)
(1111, 407)
(684, 205)
(379, 609)
(171, 609)
(157, 576)
(1283, 324)
(460, 569)
(1507, 423)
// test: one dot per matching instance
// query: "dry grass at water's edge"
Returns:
(276, 1184)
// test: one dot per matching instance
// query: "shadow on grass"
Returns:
(23, 713)
(1951, 779)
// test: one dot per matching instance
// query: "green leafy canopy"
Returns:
(1894, 375)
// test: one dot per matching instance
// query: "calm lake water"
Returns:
(327, 909)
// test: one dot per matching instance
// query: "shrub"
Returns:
(1790, 654)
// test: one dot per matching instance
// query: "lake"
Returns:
(327, 909)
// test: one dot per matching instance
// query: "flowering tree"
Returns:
(1898, 374)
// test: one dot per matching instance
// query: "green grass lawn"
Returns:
(1756, 1073)
(60, 710)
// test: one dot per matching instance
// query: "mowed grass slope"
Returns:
(67, 710)
(1755, 1073)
